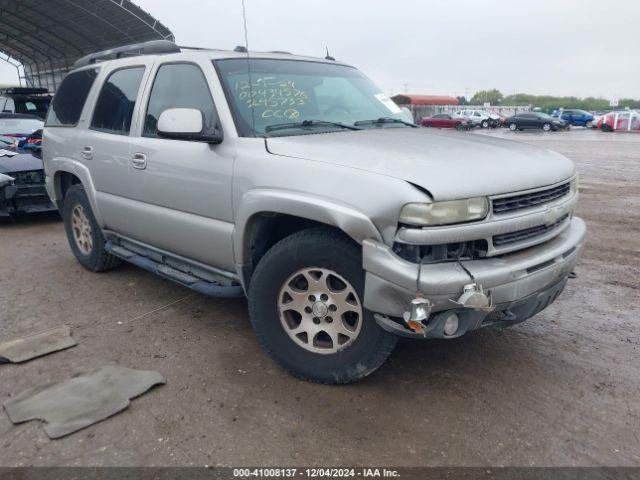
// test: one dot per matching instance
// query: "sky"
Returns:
(455, 47)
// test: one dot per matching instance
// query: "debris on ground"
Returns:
(27, 348)
(78, 402)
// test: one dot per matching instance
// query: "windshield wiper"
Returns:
(307, 124)
(383, 120)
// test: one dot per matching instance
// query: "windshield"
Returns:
(293, 91)
(19, 126)
(544, 115)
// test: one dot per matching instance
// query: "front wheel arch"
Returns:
(326, 249)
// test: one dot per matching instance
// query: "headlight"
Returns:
(444, 213)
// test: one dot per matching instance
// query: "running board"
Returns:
(204, 286)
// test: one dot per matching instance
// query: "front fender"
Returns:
(311, 207)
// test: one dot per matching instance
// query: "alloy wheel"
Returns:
(320, 310)
(81, 227)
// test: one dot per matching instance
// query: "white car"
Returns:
(478, 117)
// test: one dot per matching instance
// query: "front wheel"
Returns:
(305, 304)
(485, 124)
(546, 127)
(588, 124)
(513, 127)
(84, 234)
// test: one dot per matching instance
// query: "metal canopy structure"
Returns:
(43, 39)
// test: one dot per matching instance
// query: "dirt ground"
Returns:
(561, 389)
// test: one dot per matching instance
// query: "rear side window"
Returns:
(69, 101)
(114, 109)
(179, 85)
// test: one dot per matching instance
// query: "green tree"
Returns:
(494, 97)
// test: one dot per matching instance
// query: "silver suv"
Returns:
(296, 182)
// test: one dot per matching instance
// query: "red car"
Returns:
(444, 120)
(620, 121)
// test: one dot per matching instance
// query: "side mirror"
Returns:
(187, 124)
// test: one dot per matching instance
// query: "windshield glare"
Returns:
(292, 91)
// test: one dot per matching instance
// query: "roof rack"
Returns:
(24, 91)
(153, 47)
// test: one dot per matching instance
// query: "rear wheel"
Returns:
(305, 304)
(84, 234)
(513, 127)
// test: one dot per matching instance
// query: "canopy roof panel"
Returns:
(48, 37)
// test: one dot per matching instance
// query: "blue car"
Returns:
(578, 118)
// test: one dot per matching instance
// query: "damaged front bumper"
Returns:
(23, 198)
(520, 284)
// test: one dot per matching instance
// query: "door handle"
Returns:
(139, 161)
(87, 153)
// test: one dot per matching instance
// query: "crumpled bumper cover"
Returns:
(15, 199)
(391, 281)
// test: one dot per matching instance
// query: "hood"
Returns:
(450, 165)
(20, 163)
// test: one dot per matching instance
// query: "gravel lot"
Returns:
(561, 389)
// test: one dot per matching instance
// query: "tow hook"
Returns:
(419, 313)
(474, 298)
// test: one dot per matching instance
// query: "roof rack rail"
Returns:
(153, 47)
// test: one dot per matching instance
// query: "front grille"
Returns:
(30, 177)
(528, 200)
(526, 234)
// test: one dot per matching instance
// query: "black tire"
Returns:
(606, 128)
(513, 126)
(321, 248)
(485, 124)
(459, 127)
(97, 259)
(546, 127)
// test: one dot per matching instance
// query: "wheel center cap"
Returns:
(320, 309)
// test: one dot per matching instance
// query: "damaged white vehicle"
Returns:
(296, 182)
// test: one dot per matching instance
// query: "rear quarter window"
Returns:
(69, 101)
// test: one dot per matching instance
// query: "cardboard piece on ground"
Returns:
(78, 402)
(23, 349)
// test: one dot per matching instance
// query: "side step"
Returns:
(206, 287)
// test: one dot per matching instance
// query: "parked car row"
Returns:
(467, 119)
(560, 120)
(464, 120)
